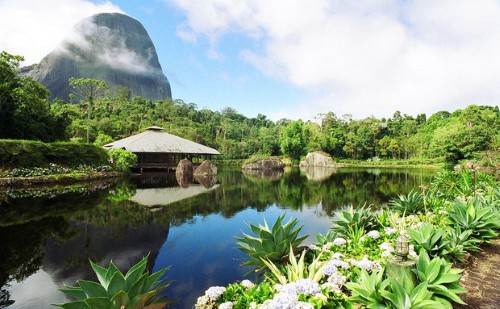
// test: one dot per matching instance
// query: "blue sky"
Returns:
(296, 58)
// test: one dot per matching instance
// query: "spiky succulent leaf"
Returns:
(91, 288)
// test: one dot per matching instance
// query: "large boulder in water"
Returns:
(111, 47)
(206, 168)
(185, 167)
(318, 159)
(264, 164)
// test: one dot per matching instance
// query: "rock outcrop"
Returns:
(110, 46)
(318, 159)
(264, 164)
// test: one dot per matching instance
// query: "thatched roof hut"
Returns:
(158, 149)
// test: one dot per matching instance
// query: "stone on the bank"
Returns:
(318, 159)
(264, 164)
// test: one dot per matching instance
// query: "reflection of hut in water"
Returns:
(165, 196)
(264, 174)
(156, 149)
(318, 174)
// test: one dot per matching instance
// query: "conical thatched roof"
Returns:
(155, 140)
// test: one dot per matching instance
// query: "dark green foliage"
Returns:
(23, 153)
(272, 244)
(25, 111)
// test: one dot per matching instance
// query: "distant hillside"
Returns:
(111, 47)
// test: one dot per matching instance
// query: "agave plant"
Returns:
(136, 289)
(428, 238)
(483, 221)
(296, 270)
(270, 244)
(366, 290)
(441, 279)
(408, 296)
(408, 204)
(459, 243)
(361, 218)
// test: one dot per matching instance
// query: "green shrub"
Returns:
(122, 159)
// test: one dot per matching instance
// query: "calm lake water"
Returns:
(48, 236)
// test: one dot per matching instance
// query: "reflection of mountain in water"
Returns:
(164, 196)
(124, 245)
(318, 174)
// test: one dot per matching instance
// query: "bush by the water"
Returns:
(23, 153)
(122, 159)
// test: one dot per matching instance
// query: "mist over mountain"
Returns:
(109, 46)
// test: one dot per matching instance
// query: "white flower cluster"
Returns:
(374, 234)
(411, 252)
(215, 292)
(387, 248)
(335, 279)
(247, 284)
(288, 298)
(307, 286)
(302, 286)
(365, 263)
(226, 305)
(285, 301)
(389, 230)
(339, 241)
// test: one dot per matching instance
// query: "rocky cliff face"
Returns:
(111, 47)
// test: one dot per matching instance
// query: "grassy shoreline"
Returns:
(39, 181)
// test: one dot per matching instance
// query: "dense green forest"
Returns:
(101, 115)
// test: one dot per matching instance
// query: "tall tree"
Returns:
(89, 90)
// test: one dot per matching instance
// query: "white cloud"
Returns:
(365, 57)
(32, 28)
(108, 46)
